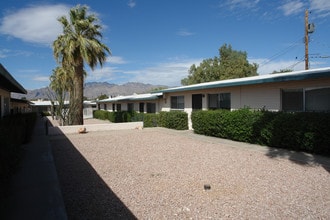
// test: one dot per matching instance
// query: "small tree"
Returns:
(230, 64)
(282, 71)
(60, 83)
(102, 96)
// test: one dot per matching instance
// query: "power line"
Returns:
(295, 64)
(282, 52)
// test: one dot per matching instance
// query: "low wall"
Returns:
(57, 130)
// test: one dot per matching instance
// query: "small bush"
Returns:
(100, 114)
(174, 120)
(150, 120)
(137, 116)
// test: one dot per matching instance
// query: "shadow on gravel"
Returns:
(86, 195)
(300, 157)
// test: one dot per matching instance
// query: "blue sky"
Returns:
(156, 42)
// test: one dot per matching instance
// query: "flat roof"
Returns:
(134, 97)
(269, 78)
(7, 82)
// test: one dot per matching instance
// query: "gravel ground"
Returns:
(160, 174)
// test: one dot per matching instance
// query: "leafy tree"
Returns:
(158, 88)
(230, 64)
(102, 96)
(282, 71)
(80, 43)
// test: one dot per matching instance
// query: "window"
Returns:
(177, 102)
(316, 99)
(151, 107)
(118, 107)
(219, 101)
(292, 100)
(141, 107)
(105, 106)
(130, 107)
(113, 107)
(225, 101)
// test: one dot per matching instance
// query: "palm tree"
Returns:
(80, 43)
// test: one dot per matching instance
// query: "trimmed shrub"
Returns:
(100, 114)
(208, 122)
(303, 131)
(137, 117)
(150, 120)
(117, 117)
(174, 120)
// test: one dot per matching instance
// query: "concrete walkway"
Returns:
(35, 191)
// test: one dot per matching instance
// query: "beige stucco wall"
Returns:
(136, 104)
(259, 96)
(267, 95)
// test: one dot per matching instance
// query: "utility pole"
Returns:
(309, 28)
(306, 40)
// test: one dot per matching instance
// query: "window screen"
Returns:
(177, 102)
(292, 100)
(151, 107)
(317, 99)
(219, 101)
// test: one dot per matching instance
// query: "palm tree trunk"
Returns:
(78, 90)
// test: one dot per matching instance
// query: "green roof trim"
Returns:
(8, 83)
(270, 78)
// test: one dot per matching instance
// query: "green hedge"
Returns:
(117, 117)
(174, 120)
(15, 130)
(150, 120)
(303, 131)
(100, 114)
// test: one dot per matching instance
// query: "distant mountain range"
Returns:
(92, 90)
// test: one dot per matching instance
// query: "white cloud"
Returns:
(41, 78)
(116, 60)
(239, 9)
(131, 3)
(234, 4)
(321, 7)
(292, 7)
(102, 74)
(12, 53)
(4, 53)
(36, 24)
(169, 73)
(184, 33)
